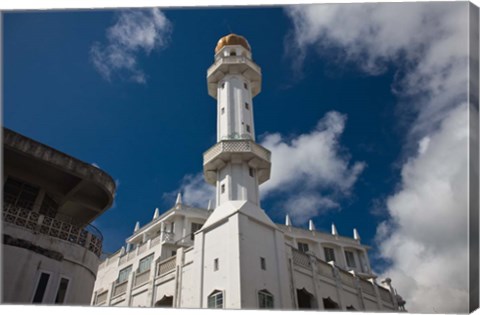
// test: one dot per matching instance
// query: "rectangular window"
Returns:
(62, 290)
(251, 171)
(248, 128)
(223, 188)
(303, 247)
(263, 263)
(123, 274)
(223, 110)
(41, 288)
(145, 264)
(20, 194)
(245, 85)
(350, 259)
(215, 264)
(223, 85)
(247, 106)
(329, 254)
(194, 228)
(174, 252)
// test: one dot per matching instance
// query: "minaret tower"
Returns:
(236, 164)
(239, 251)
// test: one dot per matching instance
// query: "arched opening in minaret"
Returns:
(305, 299)
(165, 301)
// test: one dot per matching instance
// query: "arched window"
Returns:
(215, 299)
(305, 299)
(165, 301)
(265, 299)
(330, 304)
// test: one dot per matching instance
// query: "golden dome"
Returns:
(232, 39)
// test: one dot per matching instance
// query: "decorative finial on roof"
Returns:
(178, 203)
(311, 226)
(287, 221)
(137, 227)
(155, 214)
(334, 230)
(356, 236)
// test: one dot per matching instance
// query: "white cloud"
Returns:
(135, 32)
(195, 191)
(425, 236)
(309, 174)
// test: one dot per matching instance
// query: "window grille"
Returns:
(123, 274)
(303, 247)
(329, 254)
(215, 300)
(145, 263)
(350, 259)
(265, 299)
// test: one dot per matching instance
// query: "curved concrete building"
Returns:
(51, 252)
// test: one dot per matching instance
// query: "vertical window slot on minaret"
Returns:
(245, 85)
(223, 110)
(223, 85)
(215, 264)
(263, 264)
(247, 106)
(222, 188)
(248, 128)
(251, 171)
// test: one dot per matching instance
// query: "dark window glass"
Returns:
(62, 289)
(350, 259)
(41, 287)
(329, 254)
(265, 299)
(215, 300)
(223, 188)
(215, 264)
(263, 264)
(247, 106)
(245, 85)
(195, 227)
(248, 128)
(303, 247)
(19, 193)
(49, 207)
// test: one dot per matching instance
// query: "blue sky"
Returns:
(362, 109)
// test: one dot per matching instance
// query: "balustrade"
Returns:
(166, 265)
(88, 236)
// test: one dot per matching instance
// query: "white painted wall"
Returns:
(25, 266)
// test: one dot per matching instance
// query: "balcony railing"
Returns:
(346, 278)
(88, 236)
(300, 258)
(233, 60)
(166, 265)
(235, 146)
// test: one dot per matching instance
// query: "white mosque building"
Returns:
(233, 255)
